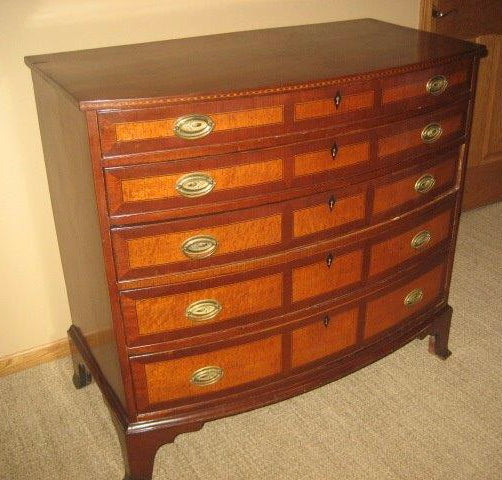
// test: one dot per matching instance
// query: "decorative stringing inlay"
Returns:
(132, 131)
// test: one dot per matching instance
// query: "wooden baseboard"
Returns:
(483, 185)
(35, 356)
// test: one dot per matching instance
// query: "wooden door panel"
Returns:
(462, 18)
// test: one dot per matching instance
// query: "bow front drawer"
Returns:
(186, 127)
(423, 134)
(148, 250)
(404, 301)
(159, 381)
(191, 244)
(433, 86)
(414, 242)
(410, 188)
(195, 308)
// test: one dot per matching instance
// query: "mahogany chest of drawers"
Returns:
(248, 216)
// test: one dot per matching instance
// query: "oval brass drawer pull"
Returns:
(436, 85)
(414, 297)
(203, 310)
(421, 239)
(200, 246)
(206, 376)
(195, 185)
(191, 127)
(425, 183)
(431, 132)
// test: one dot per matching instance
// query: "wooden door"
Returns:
(478, 21)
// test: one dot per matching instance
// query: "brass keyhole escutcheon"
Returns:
(334, 151)
(326, 320)
(338, 99)
(331, 202)
(329, 260)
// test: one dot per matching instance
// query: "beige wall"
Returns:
(33, 298)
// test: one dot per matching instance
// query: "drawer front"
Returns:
(404, 191)
(170, 185)
(391, 309)
(324, 275)
(327, 335)
(427, 87)
(414, 242)
(422, 135)
(162, 381)
(188, 126)
(196, 184)
(338, 157)
(205, 241)
(191, 187)
(190, 309)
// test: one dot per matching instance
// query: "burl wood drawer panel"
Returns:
(332, 155)
(327, 106)
(194, 182)
(414, 296)
(184, 126)
(424, 88)
(407, 189)
(193, 308)
(328, 212)
(327, 335)
(324, 274)
(414, 242)
(195, 243)
(166, 380)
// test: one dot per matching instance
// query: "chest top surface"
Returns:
(241, 63)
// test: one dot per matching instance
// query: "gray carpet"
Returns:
(409, 416)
